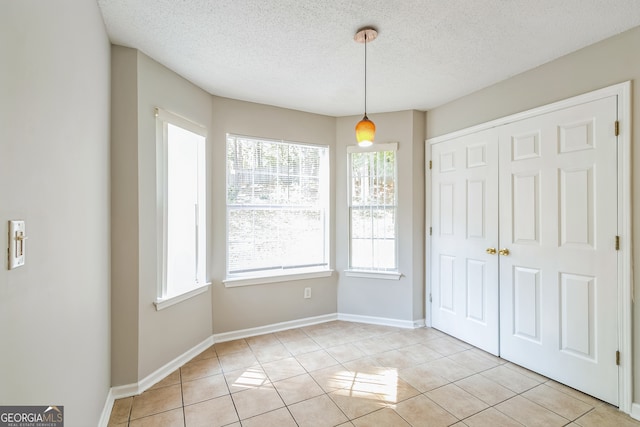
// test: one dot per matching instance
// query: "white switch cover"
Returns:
(17, 245)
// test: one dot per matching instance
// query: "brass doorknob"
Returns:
(504, 252)
(491, 251)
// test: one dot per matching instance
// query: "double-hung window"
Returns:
(373, 210)
(277, 210)
(181, 208)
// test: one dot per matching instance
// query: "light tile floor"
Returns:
(351, 374)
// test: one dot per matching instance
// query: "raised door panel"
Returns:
(526, 304)
(475, 210)
(446, 211)
(577, 315)
(446, 284)
(526, 215)
(576, 221)
(476, 291)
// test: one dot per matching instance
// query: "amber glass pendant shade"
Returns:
(365, 129)
(365, 132)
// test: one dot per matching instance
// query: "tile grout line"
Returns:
(307, 373)
(224, 377)
(372, 357)
(272, 383)
(184, 413)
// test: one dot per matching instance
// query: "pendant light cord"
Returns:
(365, 73)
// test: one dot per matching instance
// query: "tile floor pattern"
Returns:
(351, 374)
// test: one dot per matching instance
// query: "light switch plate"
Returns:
(17, 244)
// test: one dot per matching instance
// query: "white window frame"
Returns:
(200, 285)
(372, 273)
(289, 274)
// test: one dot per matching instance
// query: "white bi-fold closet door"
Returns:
(523, 246)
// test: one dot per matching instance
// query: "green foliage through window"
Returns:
(277, 198)
(372, 210)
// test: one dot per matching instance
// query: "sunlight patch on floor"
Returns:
(381, 383)
(251, 378)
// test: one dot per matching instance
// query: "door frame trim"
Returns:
(625, 288)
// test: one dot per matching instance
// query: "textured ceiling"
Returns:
(300, 54)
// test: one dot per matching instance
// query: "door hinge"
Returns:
(430, 164)
(617, 128)
(617, 243)
(430, 231)
(618, 358)
(430, 298)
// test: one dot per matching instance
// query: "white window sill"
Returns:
(161, 304)
(387, 275)
(232, 282)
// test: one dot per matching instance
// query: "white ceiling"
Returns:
(301, 54)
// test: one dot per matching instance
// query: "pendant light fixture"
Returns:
(365, 129)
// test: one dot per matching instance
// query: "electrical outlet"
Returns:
(307, 292)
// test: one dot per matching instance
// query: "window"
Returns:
(277, 208)
(372, 208)
(182, 207)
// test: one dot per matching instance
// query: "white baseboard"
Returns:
(170, 367)
(134, 389)
(420, 323)
(308, 321)
(635, 411)
(106, 410)
(407, 324)
(275, 327)
(160, 373)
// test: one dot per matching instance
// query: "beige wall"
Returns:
(54, 174)
(245, 307)
(164, 334)
(609, 62)
(145, 339)
(392, 299)
(124, 215)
